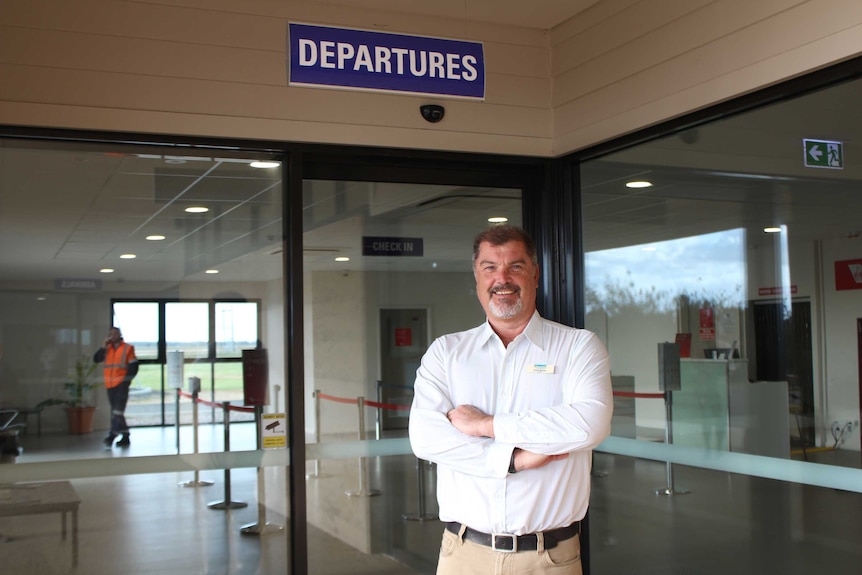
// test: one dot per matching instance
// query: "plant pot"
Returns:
(80, 419)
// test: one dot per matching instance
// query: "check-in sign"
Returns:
(823, 154)
(386, 246)
(325, 56)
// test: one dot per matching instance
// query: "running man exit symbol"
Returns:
(823, 154)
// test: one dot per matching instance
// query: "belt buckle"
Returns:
(503, 536)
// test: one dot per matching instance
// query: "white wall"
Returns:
(342, 334)
(840, 346)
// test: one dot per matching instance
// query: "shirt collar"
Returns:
(534, 332)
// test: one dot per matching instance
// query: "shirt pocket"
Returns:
(540, 390)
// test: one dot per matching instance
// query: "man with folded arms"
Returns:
(510, 412)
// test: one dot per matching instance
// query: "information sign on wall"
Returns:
(848, 274)
(273, 430)
(327, 56)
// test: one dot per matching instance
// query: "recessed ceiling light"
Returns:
(197, 209)
(128, 256)
(155, 237)
(342, 259)
(772, 230)
(106, 271)
(639, 184)
(211, 271)
(498, 220)
(264, 164)
(41, 298)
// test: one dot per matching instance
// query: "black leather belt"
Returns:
(512, 543)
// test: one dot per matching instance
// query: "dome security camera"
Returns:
(432, 112)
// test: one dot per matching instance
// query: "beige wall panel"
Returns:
(155, 57)
(609, 113)
(143, 20)
(527, 61)
(631, 25)
(702, 31)
(784, 46)
(145, 121)
(592, 16)
(385, 21)
(182, 95)
(238, 24)
(179, 60)
(511, 90)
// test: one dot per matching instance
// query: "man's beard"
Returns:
(505, 311)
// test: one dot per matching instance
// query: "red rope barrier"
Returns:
(336, 399)
(387, 405)
(219, 405)
(368, 403)
(640, 395)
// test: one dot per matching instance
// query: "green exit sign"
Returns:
(823, 154)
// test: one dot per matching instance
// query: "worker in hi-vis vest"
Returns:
(121, 365)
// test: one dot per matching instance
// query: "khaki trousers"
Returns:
(459, 557)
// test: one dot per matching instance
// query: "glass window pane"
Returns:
(145, 396)
(95, 234)
(235, 328)
(139, 323)
(187, 328)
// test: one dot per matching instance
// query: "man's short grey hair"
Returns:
(503, 234)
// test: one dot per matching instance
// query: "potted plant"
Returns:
(79, 406)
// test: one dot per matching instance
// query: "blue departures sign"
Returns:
(366, 60)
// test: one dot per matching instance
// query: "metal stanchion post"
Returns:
(178, 419)
(379, 413)
(227, 503)
(197, 481)
(261, 527)
(668, 438)
(315, 474)
(422, 515)
(363, 464)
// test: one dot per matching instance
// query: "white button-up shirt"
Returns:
(549, 392)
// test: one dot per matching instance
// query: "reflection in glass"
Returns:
(369, 320)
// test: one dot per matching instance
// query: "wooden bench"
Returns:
(50, 497)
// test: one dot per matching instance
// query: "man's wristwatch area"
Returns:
(512, 463)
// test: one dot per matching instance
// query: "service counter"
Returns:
(718, 408)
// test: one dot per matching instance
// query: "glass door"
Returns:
(387, 268)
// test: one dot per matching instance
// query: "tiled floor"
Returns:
(148, 523)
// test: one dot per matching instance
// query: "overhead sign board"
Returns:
(383, 246)
(823, 154)
(326, 56)
(77, 284)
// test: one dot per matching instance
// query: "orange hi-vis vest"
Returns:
(117, 361)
